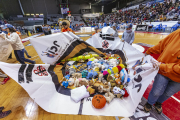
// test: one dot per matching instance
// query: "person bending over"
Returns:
(17, 45)
(167, 81)
(116, 32)
(96, 30)
(128, 35)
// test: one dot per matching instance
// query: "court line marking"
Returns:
(176, 99)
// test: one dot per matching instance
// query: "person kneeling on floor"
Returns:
(167, 81)
(128, 34)
(17, 45)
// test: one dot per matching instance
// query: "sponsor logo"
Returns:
(52, 51)
(105, 44)
(41, 71)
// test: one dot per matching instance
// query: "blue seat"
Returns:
(164, 27)
(174, 27)
(117, 27)
(157, 27)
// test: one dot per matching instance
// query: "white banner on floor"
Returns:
(5, 49)
(42, 84)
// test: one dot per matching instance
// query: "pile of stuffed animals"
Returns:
(102, 75)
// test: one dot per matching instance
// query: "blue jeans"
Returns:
(163, 88)
(20, 57)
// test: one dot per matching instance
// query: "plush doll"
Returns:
(65, 84)
(109, 71)
(115, 70)
(113, 83)
(76, 83)
(90, 90)
(71, 81)
(119, 68)
(95, 75)
(117, 90)
(104, 88)
(100, 77)
(99, 101)
(96, 69)
(126, 94)
(83, 82)
(109, 78)
(77, 75)
(109, 97)
(122, 66)
(118, 81)
(67, 77)
(84, 73)
(118, 96)
(90, 75)
(64, 79)
(116, 75)
(71, 71)
(105, 75)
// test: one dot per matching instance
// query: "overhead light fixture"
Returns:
(32, 14)
(37, 14)
(41, 14)
(27, 14)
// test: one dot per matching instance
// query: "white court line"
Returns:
(176, 99)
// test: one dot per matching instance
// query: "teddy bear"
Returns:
(77, 75)
(71, 81)
(104, 88)
(91, 82)
(109, 97)
(100, 77)
(83, 82)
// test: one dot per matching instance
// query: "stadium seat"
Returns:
(174, 27)
(164, 27)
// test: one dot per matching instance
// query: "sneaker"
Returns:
(147, 107)
(4, 114)
(1, 108)
(158, 107)
(5, 80)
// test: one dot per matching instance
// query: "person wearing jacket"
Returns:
(17, 45)
(167, 81)
(116, 32)
(128, 35)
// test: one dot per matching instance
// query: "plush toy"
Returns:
(126, 93)
(77, 75)
(64, 79)
(100, 77)
(118, 81)
(99, 101)
(116, 75)
(118, 96)
(71, 71)
(83, 82)
(89, 63)
(71, 81)
(117, 90)
(90, 90)
(109, 97)
(65, 84)
(123, 76)
(119, 69)
(115, 70)
(95, 75)
(109, 78)
(105, 75)
(122, 66)
(109, 71)
(67, 72)
(104, 88)
(84, 73)
(98, 65)
(76, 83)
(90, 75)
(113, 83)
(96, 69)
(67, 77)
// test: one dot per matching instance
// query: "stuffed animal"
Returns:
(84, 73)
(115, 70)
(95, 75)
(77, 75)
(64, 79)
(76, 83)
(109, 97)
(90, 75)
(113, 83)
(109, 78)
(118, 81)
(104, 88)
(118, 96)
(122, 66)
(119, 68)
(65, 84)
(83, 82)
(109, 71)
(90, 90)
(71, 71)
(96, 69)
(99, 101)
(117, 90)
(71, 81)
(100, 77)
(98, 65)
(67, 77)
(105, 75)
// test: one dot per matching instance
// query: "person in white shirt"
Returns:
(16, 44)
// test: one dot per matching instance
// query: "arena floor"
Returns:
(15, 98)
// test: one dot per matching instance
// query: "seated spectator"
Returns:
(96, 30)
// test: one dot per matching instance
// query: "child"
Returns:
(128, 35)
(96, 30)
